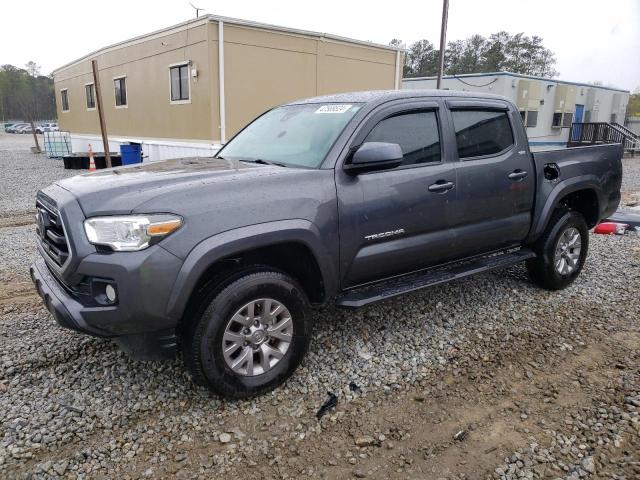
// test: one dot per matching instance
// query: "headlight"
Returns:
(131, 232)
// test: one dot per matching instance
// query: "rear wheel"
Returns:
(249, 336)
(560, 252)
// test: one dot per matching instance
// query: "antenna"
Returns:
(196, 9)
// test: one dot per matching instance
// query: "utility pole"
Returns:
(103, 125)
(443, 42)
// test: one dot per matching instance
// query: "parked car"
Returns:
(26, 128)
(15, 127)
(47, 127)
(347, 199)
(7, 126)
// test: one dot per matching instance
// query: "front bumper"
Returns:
(138, 322)
(67, 311)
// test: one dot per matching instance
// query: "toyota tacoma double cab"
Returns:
(349, 198)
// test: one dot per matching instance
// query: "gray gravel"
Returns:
(75, 406)
(24, 173)
(62, 388)
(631, 177)
(17, 251)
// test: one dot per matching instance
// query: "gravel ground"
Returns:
(489, 377)
(24, 173)
(631, 181)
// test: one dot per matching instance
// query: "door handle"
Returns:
(517, 175)
(441, 186)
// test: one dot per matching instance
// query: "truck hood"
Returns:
(120, 190)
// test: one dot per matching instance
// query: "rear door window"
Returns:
(481, 132)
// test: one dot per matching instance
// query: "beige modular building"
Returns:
(548, 106)
(186, 89)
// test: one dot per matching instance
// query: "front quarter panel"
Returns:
(247, 238)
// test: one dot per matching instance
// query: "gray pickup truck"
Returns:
(350, 198)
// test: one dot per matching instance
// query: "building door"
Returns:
(577, 118)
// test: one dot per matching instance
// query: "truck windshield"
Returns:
(292, 135)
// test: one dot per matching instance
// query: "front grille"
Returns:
(50, 230)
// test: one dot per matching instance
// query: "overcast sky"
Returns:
(593, 40)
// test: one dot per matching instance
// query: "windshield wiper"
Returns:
(264, 162)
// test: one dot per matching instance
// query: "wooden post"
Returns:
(443, 42)
(103, 125)
(35, 137)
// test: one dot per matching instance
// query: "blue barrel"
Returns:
(131, 153)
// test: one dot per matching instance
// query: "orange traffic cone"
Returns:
(92, 162)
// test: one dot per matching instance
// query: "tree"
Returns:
(421, 60)
(499, 52)
(633, 107)
(32, 68)
(26, 95)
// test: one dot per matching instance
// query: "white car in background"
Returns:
(47, 127)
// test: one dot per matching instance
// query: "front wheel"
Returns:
(561, 252)
(248, 337)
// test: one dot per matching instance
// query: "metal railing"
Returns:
(627, 131)
(594, 133)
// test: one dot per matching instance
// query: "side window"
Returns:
(90, 92)
(64, 98)
(179, 76)
(120, 88)
(416, 133)
(481, 132)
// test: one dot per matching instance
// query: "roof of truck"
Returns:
(381, 96)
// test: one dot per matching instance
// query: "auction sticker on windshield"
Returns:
(333, 108)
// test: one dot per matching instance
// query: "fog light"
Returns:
(110, 292)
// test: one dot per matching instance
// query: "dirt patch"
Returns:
(18, 295)
(17, 220)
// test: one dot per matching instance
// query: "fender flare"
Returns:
(559, 191)
(242, 239)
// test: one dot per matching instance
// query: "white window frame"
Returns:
(126, 91)
(66, 90)
(94, 96)
(180, 64)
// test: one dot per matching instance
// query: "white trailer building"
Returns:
(548, 106)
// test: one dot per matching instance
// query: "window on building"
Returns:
(557, 119)
(90, 92)
(64, 100)
(481, 132)
(567, 120)
(614, 118)
(179, 82)
(532, 118)
(120, 87)
(415, 132)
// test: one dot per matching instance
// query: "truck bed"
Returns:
(563, 171)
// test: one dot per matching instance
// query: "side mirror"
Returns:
(375, 156)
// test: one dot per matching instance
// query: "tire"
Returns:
(547, 269)
(213, 325)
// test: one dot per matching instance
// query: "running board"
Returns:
(409, 283)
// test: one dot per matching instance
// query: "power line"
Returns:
(471, 84)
